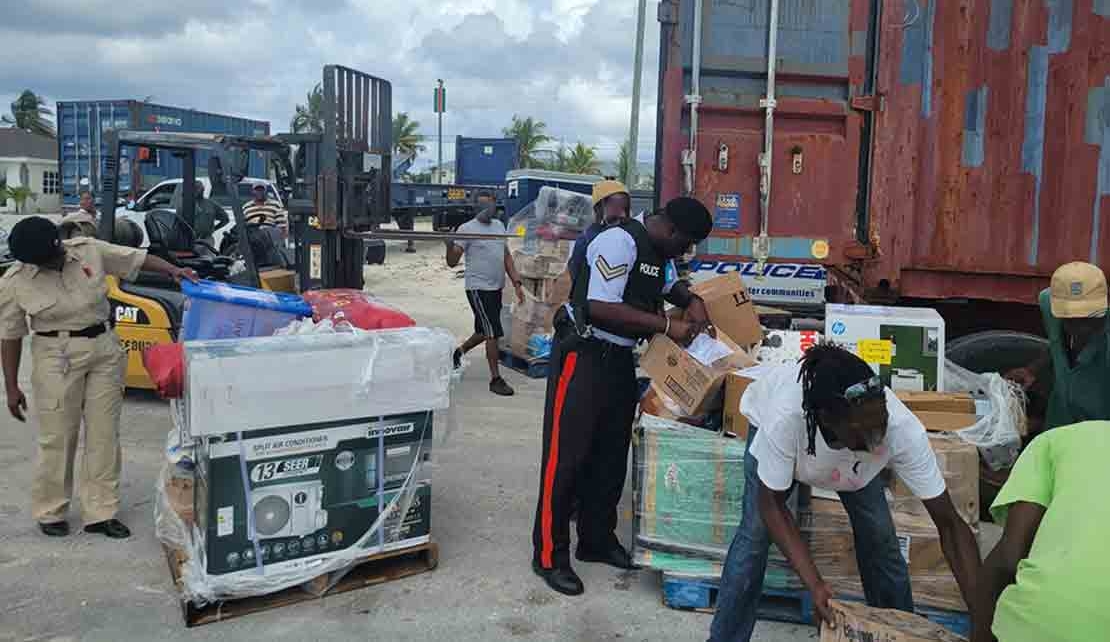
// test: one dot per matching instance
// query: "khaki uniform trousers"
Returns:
(74, 378)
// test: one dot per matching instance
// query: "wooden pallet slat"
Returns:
(371, 571)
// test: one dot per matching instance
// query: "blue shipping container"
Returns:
(524, 186)
(484, 161)
(82, 147)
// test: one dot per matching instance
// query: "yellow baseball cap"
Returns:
(1078, 291)
(605, 189)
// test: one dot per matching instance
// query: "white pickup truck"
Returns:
(161, 197)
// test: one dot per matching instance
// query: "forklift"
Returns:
(335, 186)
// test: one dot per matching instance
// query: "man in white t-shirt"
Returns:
(829, 422)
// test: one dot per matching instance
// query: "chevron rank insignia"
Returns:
(610, 272)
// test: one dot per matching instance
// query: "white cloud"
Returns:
(566, 62)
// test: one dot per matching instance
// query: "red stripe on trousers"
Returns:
(548, 546)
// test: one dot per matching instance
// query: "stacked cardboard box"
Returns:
(959, 461)
(827, 531)
(546, 287)
(856, 622)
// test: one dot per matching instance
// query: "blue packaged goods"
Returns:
(224, 311)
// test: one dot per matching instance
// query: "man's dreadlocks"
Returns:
(827, 371)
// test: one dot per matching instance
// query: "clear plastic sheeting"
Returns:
(555, 215)
(294, 458)
(177, 528)
(269, 382)
(689, 488)
(1000, 428)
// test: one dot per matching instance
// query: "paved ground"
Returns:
(485, 483)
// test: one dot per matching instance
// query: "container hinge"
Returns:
(668, 12)
(873, 103)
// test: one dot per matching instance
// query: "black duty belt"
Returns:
(91, 332)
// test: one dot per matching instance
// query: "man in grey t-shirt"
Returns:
(487, 262)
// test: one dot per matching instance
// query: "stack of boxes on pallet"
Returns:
(689, 481)
(546, 287)
(309, 455)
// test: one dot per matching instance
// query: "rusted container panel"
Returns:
(987, 160)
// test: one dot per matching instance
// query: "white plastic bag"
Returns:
(998, 432)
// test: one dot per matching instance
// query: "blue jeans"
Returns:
(885, 576)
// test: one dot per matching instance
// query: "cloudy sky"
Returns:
(566, 62)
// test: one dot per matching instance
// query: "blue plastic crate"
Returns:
(225, 311)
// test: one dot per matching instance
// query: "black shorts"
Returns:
(486, 305)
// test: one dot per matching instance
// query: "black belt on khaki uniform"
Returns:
(91, 332)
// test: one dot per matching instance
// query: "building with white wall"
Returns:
(31, 160)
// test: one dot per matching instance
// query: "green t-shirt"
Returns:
(1080, 392)
(1062, 591)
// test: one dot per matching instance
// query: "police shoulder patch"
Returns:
(610, 272)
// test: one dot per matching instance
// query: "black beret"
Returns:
(35, 240)
(690, 217)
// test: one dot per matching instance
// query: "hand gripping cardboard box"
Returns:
(689, 383)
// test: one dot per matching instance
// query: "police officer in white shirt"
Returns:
(591, 389)
(829, 422)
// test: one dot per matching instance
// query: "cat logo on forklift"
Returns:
(129, 314)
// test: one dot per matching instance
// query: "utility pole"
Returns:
(441, 106)
(637, 71)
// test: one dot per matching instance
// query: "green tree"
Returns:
(407, 138)
(624, 164)
(583, 160)
(29, 112)
(530, 135)
(20, 194)
(309, 117)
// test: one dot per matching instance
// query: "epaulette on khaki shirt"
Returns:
(79, 223)
(71, 299)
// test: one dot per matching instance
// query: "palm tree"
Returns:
(529, 135)
(309, 118)
(407, 138)
(583, 160)
(29, 112)
(624, 164)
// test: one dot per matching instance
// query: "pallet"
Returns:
(371, 571)
(531, 368)
(795, 607)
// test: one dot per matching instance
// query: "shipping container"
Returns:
(525, 184)
(952, 153)
(82, 148)
(484, 161)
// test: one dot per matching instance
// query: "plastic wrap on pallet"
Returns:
(998, 432)
(688, 493)
(269, 382)
(556, 215)
(176, 527)
(298, 386)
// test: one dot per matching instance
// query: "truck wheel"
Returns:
(995, 350)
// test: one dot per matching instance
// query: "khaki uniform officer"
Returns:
(83, 221)
(78, 365)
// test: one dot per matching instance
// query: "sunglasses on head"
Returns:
(871, 388)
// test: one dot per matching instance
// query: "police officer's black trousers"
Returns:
(587, 428)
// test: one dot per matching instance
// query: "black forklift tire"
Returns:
(995, 350)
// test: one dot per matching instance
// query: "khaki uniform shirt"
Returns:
(72, 299)
(82, 222)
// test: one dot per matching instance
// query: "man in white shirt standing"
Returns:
(829, 422)
(487, 263)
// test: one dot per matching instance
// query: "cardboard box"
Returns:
(786, 346)
(904, 346)
(859, 622)
(941, 411)
(313, 492)
(730, 308)
(734, 421)
(684, 379)
(959, 461)
(828, 533)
